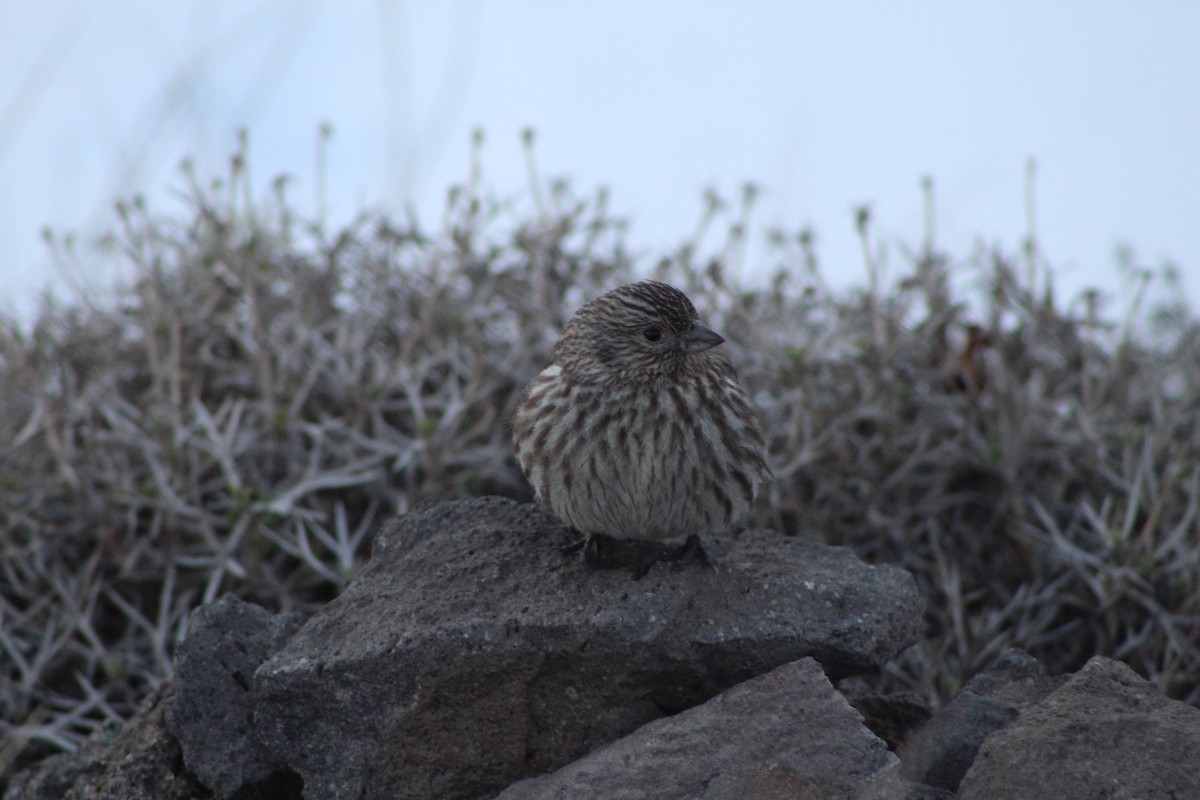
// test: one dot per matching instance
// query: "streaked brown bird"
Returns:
(638, 429)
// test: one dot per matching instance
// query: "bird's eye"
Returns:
(652, 334)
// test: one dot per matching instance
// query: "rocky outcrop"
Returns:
(1104, 733)
(474, 651)
(210, 711)
(193, 738)
(474, 657)
(139, 762)
(942, 750)
(787, 734)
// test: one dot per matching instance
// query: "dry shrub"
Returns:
(265, 394)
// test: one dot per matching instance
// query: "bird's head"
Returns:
(647, 329)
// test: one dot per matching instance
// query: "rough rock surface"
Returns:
(52, 777)
(141, 762)
(788, 734)
(472, 651)
(1104, 733)
(210, 710)
(941, 751)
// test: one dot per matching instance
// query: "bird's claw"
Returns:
(605, 552)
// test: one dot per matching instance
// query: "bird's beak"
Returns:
(700, 338)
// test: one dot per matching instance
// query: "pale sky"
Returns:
(824, 105)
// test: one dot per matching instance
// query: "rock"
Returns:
(51, 778)
(913, 791)
(472, 651)
(141, 762)
(206, 706)
(1104, 733)
(1015, 679)
(941, 751)
(210, 709)
(787, 734)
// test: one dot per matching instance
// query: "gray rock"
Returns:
(472, 651)
(141, 762)
(1015, 679)
(913, 791)
(1105, 733)
(785, 735)
(941, 751)
(51, 778)
(210, 709)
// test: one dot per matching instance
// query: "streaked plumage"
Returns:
(638, 429)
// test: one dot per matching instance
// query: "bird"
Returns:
(638, 429)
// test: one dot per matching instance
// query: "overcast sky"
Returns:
(824, 105)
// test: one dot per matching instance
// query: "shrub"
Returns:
(264, 394)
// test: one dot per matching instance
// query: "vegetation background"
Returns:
(244, 415)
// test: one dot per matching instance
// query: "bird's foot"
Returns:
(692, 551)
(605, 552)
(575, 546)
